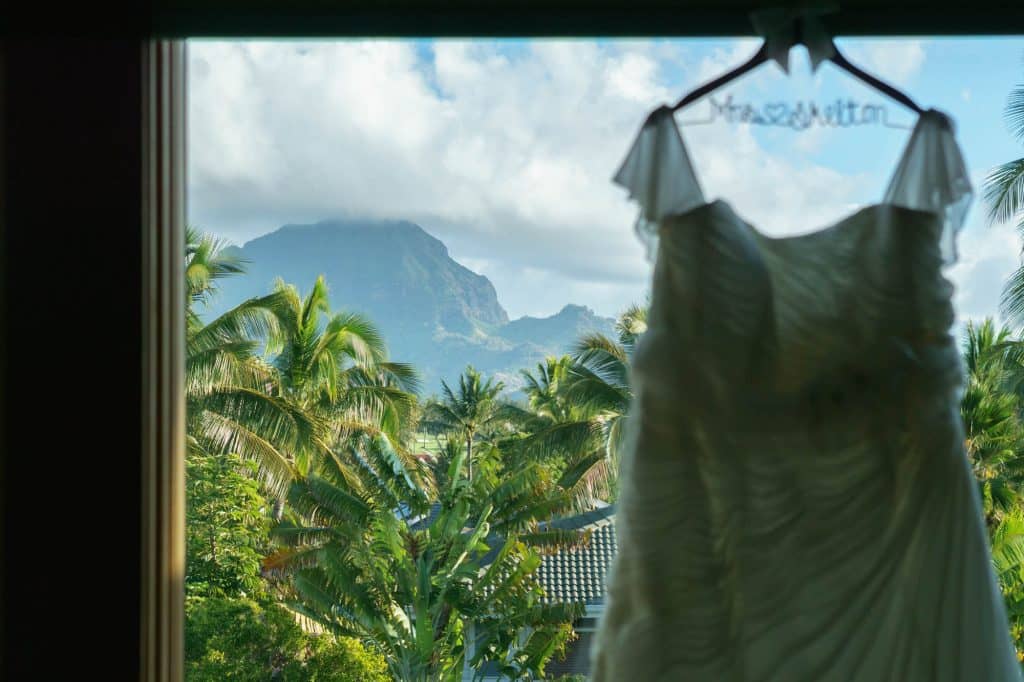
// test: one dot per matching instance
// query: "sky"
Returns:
(505, 149)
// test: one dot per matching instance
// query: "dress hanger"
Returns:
(798, 29)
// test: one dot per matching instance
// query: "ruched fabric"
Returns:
(796, 503)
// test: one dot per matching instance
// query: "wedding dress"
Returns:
(796, 503)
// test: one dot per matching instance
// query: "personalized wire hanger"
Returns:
(783, 29)
(843, 112)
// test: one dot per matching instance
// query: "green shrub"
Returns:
(227, 527)
(243, 640)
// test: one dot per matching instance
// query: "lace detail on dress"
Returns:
(659, 176)
(932, 177)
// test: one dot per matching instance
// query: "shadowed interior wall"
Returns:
(71, 205)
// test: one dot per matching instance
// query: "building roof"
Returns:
(571, 576)
(423, 522)
(575, 575)
(578, 575)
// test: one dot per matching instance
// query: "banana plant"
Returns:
(409, 584)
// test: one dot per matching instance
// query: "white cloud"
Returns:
(988, 255)
(897, 61)
(723, 58)
(506, 155)
(633, 76)
(811, 140)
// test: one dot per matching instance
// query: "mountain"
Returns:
(434, 312)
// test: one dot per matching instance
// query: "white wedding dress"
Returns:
(796, 504)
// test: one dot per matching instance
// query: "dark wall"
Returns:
(70, 201)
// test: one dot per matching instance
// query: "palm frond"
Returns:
(220, 434)
(556, 539)
(1011, 303)
(1004, 191)
(1015, 113)
(404, 376)
(592, 391)
(251, 320)
(580, 468)
(562, 439)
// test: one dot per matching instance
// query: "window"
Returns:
(81, 161)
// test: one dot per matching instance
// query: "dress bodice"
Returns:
(782, 312)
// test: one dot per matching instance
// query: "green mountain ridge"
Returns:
(434, 312)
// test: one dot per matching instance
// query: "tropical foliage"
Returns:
(226, 527)
(242, 639)
(229, 405)
(470, 413)
(409, 583)
(314, 534)
(576, 409)
(992, 407)
(1004, 194)
(321, 548)
(235, 630)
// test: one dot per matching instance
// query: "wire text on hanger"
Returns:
(842, 113)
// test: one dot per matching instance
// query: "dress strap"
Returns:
(659, 176)
(932, 176)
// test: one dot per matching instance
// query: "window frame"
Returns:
(164, 146)
(164, 127)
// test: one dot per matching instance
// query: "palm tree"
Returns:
(229, 405)
(470, 413)
(335, 366)
(993, 427)
(562, 434)
(544, 391)
(577, 410)
(992, 408)
(1004, 193)
(600, 380)
(630, 325)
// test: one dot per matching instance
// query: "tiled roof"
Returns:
(578, 575)
(424, 522)
(568, 575)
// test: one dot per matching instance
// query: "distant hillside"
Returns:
(434, 312)
(570, 322)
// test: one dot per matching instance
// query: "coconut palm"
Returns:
(471, 412)
(567, 437)
(335, 367)
(599, 383)
(630, 325)
(1004, 193)
(228, 389)
(993, 428)
(991, 407)
(577, 410)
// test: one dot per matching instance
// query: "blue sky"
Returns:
(505, 149)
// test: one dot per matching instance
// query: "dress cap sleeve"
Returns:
(659, 176)
(932, 176)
